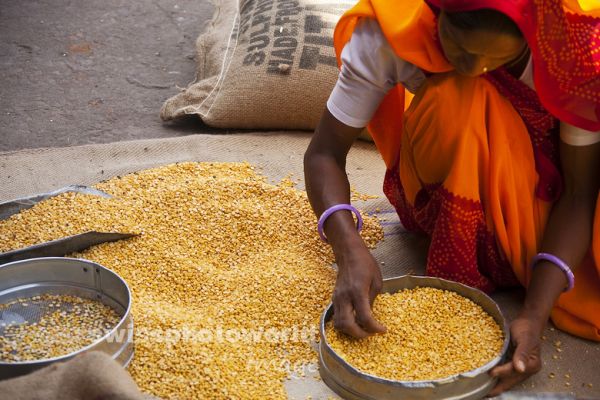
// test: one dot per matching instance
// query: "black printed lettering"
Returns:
(260, 19)
(286, 12)
(286, 54)
(311, 58)
(263, 7)
(315, 24)
(288, 4)
(258, 43)
(244, 23)
(246, 7)
(254, 58)
(286, 42)
(286, 32)
(280, 21)
(319, 40)
(262, 31)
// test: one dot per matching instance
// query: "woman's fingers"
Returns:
(353, 315)
(375, 289)
(503, 370)
(507, 378)
(358, 283)
(364, 315)
(344, 319)
(526, 360)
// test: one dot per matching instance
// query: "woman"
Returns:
(497, 158)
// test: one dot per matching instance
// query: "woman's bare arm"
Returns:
(568, 235)
(359, 278)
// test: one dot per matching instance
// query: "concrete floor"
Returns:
(75, 72)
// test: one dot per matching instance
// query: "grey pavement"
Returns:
(82, 71)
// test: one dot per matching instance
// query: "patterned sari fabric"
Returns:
(469, 186)
(473, 162)
(564, 38)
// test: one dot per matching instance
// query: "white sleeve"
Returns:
(527, 75)
(577, 136)
(370, 68)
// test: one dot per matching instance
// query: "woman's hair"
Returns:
(484, 19)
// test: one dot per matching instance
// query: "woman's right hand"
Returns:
(358, 282)
(359, 278)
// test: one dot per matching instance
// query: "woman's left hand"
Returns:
(525, 336)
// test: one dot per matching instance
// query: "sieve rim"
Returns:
(423, 281)
(77, 262)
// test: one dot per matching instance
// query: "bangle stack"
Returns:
(327, 213)
(560, 264)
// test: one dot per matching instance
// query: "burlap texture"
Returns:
(34, 171)
(91, 375)
(274, 55)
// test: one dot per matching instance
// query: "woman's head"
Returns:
(479, 41)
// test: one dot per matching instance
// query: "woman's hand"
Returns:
(358, 283)
(359, 278)
(568, 236)
(525, 335)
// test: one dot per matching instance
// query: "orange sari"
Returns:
(461, 167)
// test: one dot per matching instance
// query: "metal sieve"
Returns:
(70, 289)
(350, 383)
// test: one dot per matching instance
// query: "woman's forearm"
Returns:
(326, 180)
(327, 184)
(568, 236)
(568, 233)
(359, 278)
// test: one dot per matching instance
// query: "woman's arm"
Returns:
(359, 278)
(568, 236)
(369, 70)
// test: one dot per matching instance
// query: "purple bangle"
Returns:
(560, 264)
(327, 213)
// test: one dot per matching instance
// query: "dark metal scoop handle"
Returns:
(63, 246)
(14, 206)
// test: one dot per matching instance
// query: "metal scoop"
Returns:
(59, 247)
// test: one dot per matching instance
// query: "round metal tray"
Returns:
(75, 277)
(350, 383)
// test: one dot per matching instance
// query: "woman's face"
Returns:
(474, 53)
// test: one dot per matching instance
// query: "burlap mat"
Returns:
(280, 154)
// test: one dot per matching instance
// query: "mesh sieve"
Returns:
(52, 325)
(53, 308)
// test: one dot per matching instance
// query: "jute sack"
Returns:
(88, 376)
(267, 64)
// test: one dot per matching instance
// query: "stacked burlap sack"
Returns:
(263, 64)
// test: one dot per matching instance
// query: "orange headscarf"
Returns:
(564, 38)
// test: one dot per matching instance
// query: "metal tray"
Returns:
(62, 246)
(11, 207)
(352, 384)
(70, 276)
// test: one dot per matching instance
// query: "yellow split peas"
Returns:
(431, 334)
(66, 324)
(228, 275)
